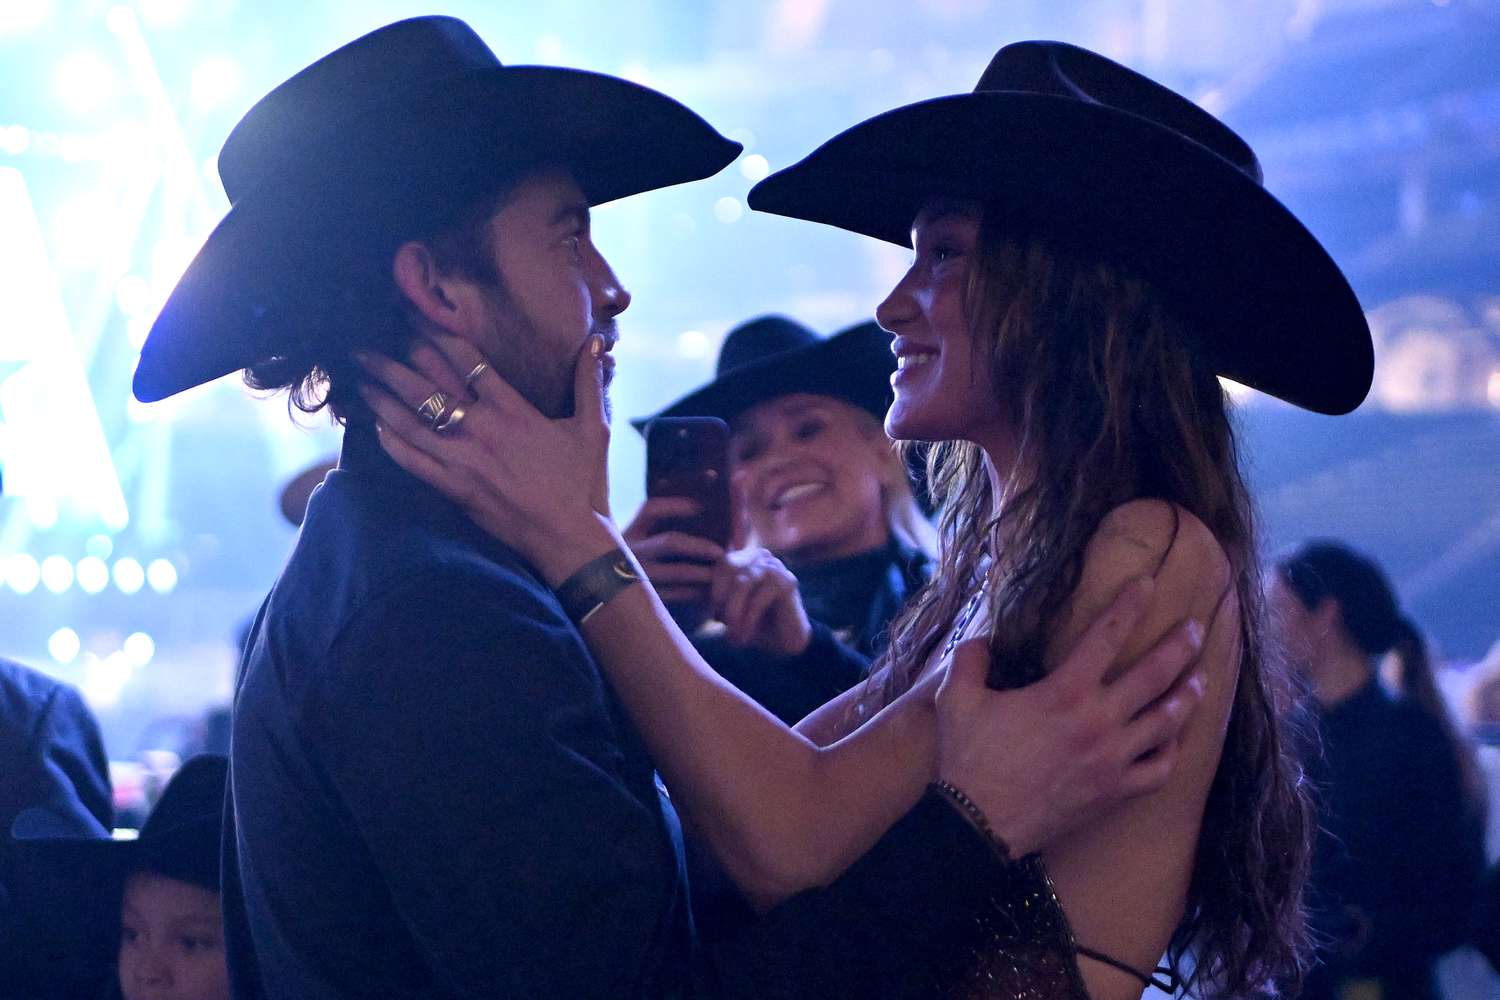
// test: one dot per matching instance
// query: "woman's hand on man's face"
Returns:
(537, 484)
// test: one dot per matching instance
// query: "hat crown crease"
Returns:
(295, 119)
(1058, 69)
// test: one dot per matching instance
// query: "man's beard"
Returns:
(545, 382)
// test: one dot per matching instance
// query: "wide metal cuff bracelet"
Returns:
(596, 583)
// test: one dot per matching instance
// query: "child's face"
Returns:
(171, 941)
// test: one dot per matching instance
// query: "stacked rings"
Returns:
(442, 412)
(449, 419)
(433, 408)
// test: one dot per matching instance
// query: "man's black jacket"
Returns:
(435, 794)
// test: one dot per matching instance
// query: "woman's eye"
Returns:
(809, 429)
(192, 944)
(129, 935)
(939, 254)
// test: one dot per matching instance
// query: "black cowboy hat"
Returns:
(1093, 156)
(376, 142)
(773, 356)
(180, 838)
(68, 883)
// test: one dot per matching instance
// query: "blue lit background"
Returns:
(135, 540)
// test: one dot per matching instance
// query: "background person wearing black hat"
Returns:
(836, 541)
(1092, 250)
(137, 919)
(1401, 800)
(434, 792)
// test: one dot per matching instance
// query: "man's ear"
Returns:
(426, 288)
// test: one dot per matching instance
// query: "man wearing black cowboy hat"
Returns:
(433, 792)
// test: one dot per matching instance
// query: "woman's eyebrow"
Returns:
(574, 214)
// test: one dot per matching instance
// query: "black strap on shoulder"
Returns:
(1167, 984)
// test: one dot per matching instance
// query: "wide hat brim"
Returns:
(854, 366)
(1265, 300)
(390, 172)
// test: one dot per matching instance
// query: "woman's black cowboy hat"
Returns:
(376, 142)
(772, 356)
(1090, 155)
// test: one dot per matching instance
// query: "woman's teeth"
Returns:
(906, 361)
(797, 492)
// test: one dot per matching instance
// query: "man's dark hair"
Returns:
(356, 307)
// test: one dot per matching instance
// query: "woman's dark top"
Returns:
(850, 602)
(1398, 856)
(859, 595)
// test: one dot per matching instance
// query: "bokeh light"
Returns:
(129, 576)
(63, 645)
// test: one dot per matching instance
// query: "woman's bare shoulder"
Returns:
(1162, 540)
(1151, 538)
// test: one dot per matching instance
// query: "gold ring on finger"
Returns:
(473, 375)
(433, 408)
(450, 419)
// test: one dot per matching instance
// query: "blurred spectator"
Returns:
(1484, 710)
(1401, 804)
(51, 755)
(837, 542)
(137, 919)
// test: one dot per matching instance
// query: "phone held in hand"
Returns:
(689, 457)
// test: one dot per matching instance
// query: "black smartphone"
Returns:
(689, 457)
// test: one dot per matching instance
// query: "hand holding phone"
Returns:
(688, 457)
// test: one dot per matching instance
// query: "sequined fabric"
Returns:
(1020, 947)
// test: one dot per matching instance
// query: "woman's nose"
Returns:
(898, 309)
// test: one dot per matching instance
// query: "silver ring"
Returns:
(433, 408)
(450, 419)
(473, 376)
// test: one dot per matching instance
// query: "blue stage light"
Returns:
(57, 574)
(22, 573)
(162, 576)
(139, 649)
(93, 574)
(129, 576)
(64, 645)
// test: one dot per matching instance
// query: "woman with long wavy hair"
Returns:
(1091, 251)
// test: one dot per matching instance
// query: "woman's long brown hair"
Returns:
(1113, 402)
